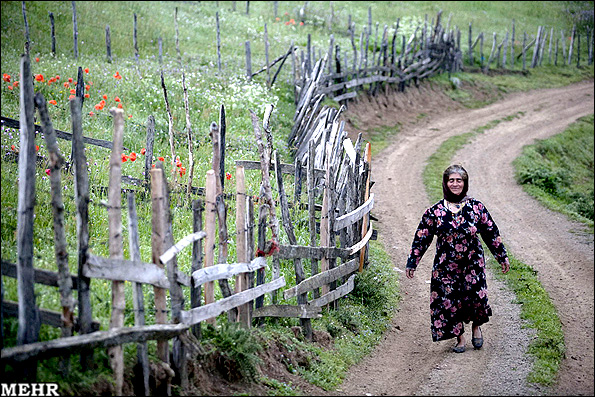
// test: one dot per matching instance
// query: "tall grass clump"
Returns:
(558, 171)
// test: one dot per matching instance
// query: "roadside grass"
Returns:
(568, 153)
(141, 95)
(559, 171)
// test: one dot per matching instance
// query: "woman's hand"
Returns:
(409, 272)
(505, 266)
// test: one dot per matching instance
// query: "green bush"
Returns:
(236, 350)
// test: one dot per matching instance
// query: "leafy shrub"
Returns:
(236, 349)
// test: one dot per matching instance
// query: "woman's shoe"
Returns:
(458, 349)
(477, 342)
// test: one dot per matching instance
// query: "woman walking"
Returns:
(458, 289)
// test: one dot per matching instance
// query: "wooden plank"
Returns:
(317, 253)
(335, 294)
(212, 310)
(180, 245)
(98, 339)
(362, 243)
(49, 317)
(12, 123)
(300, 311)
(355, 215)
(320, 279)
(347, 95)
(40, 276)
(125, 270)
(226, 270)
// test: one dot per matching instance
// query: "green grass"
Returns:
(142, 96)
(559, 171)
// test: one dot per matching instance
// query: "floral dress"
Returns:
(458, 287)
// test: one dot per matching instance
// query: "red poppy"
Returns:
(117, 75)
(98, 107)
(70, 80)
(120, 105)
(228, 175)
(86, 70)
(182, 171)
(104, 96)
(15, 84)
(37, 148)
(124, 158)
(87, 87)
(132, 156)
(91, 113)
(87, 95)
(66, 85)
(143, 151)
(117, 99)
(73, 91)
(12, 147)
(102, 103)
(10, 87)
(36, 59)
(53, 102)
(57, 77)
(161, 159)
(48, 171)
(39, 77)
(6, 77)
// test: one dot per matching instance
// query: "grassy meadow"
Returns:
(213, 83)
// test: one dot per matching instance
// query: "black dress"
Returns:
(458, 286)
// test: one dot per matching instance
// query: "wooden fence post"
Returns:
(297, 263)
(312, 211)
(135, 42)
(241, 243)
(368, 159)
(29, 320)
(176, 295)
(141, 384)
(196, 291)
(248, 61)
(75, 31)
(108, 44)
(27, 38)
(211, 194)
(149, 149)
(218, 42)
(81, 184)
(60, 247)
(114, 214)
(53, 34)
(157, 246)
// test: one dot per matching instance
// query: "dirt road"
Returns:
(407, 362)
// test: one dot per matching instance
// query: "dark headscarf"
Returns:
(448, 195)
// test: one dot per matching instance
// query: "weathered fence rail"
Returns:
(163, 274)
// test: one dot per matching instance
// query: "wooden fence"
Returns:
(345, 212)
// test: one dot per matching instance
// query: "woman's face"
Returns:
(455, 183)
